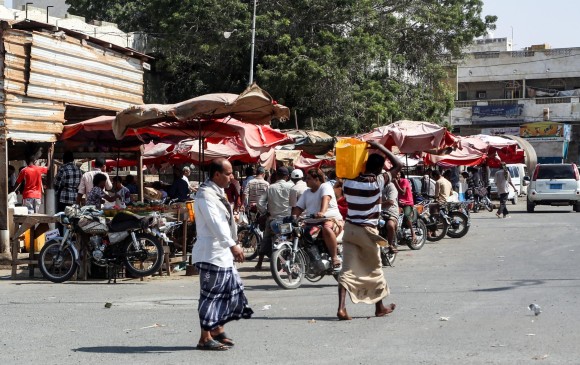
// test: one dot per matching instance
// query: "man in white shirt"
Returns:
(276, 203)
(222, 296)
(299, 186)
(319, 200)
(86, 184)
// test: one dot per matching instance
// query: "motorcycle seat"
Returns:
(124, 221)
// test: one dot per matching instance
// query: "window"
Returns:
(481, 94)
(564, 171)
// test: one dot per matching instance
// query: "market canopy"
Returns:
(253, 106)
(412, 136)
(96, 133)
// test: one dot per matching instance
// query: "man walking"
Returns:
(222, 296)
(299, 186)
(503, 181)
(362, 272)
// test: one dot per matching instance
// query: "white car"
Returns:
(554, 184)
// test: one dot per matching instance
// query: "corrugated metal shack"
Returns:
(50, 75)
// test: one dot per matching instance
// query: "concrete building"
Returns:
(499, 90)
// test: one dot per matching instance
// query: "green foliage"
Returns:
(350, 65)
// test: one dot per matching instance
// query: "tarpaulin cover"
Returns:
(98, 133)
(479, 149)
(312, 142)
(253, 106)
(411, 136)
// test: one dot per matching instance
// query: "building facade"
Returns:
(499, 90)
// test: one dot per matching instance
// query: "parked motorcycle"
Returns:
(459, 219)
(480, 199)
(122, 241)
(403, 235)
(299, 252)
(437, 224)
(249, 235)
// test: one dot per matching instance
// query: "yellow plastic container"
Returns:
(38, 242)
(190, 210)
(351, 156)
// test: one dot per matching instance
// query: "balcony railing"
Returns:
(541, 101)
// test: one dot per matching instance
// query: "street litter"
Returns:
(312, 321)
(153, 326)
(531, 334)
(498, 345)
(538, 357)
(266, 307)
(108, 305)
(535, 308)
(444, 319)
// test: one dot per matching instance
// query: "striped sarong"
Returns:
(221, 297)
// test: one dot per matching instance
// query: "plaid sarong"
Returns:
(221, 297)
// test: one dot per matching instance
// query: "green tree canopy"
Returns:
(349, 65)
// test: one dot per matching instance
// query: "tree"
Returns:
(348, 64)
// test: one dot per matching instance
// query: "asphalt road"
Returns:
(459, 301)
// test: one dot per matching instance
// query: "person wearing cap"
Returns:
(186, 173)
(255, 189)
(276, 202)
(299, 186)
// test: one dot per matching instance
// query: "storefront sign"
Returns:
(497, 113)
(500, 131)
(545, 131)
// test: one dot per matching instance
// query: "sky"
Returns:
(536, 21)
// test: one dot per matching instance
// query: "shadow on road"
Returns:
(134, 349)
(515, 285)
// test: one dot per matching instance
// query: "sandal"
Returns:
(393, 250)
(224, 339)
(212, 345)
(337, 264)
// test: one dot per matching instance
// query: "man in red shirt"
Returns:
(406, 203)
(32, 177)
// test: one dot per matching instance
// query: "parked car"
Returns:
(556, 185)
(517, 173)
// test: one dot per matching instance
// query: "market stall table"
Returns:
(35, 222)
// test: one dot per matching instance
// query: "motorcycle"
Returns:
(299, 252)
(122, 241)
(480, 199)
(437, 224)
(403, 235)
(459, 219)
(250, 236)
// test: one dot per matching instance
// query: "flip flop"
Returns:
(224, 339)
(212, 345)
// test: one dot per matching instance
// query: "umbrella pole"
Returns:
(407, 164)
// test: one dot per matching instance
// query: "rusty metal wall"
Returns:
(42, 73)
(24, 118)
(64, 69)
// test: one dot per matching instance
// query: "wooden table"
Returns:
(33, 222)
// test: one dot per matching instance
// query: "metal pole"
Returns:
(26, 7)
(48, 7)
(253, 44)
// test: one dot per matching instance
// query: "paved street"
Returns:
(459, 301)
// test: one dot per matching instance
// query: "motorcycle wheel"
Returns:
(146, 261)
(287, 274)
(420, 233)
(437, 229)
(55, 264)
(250, 242)
(488, 205)
(458, 227)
